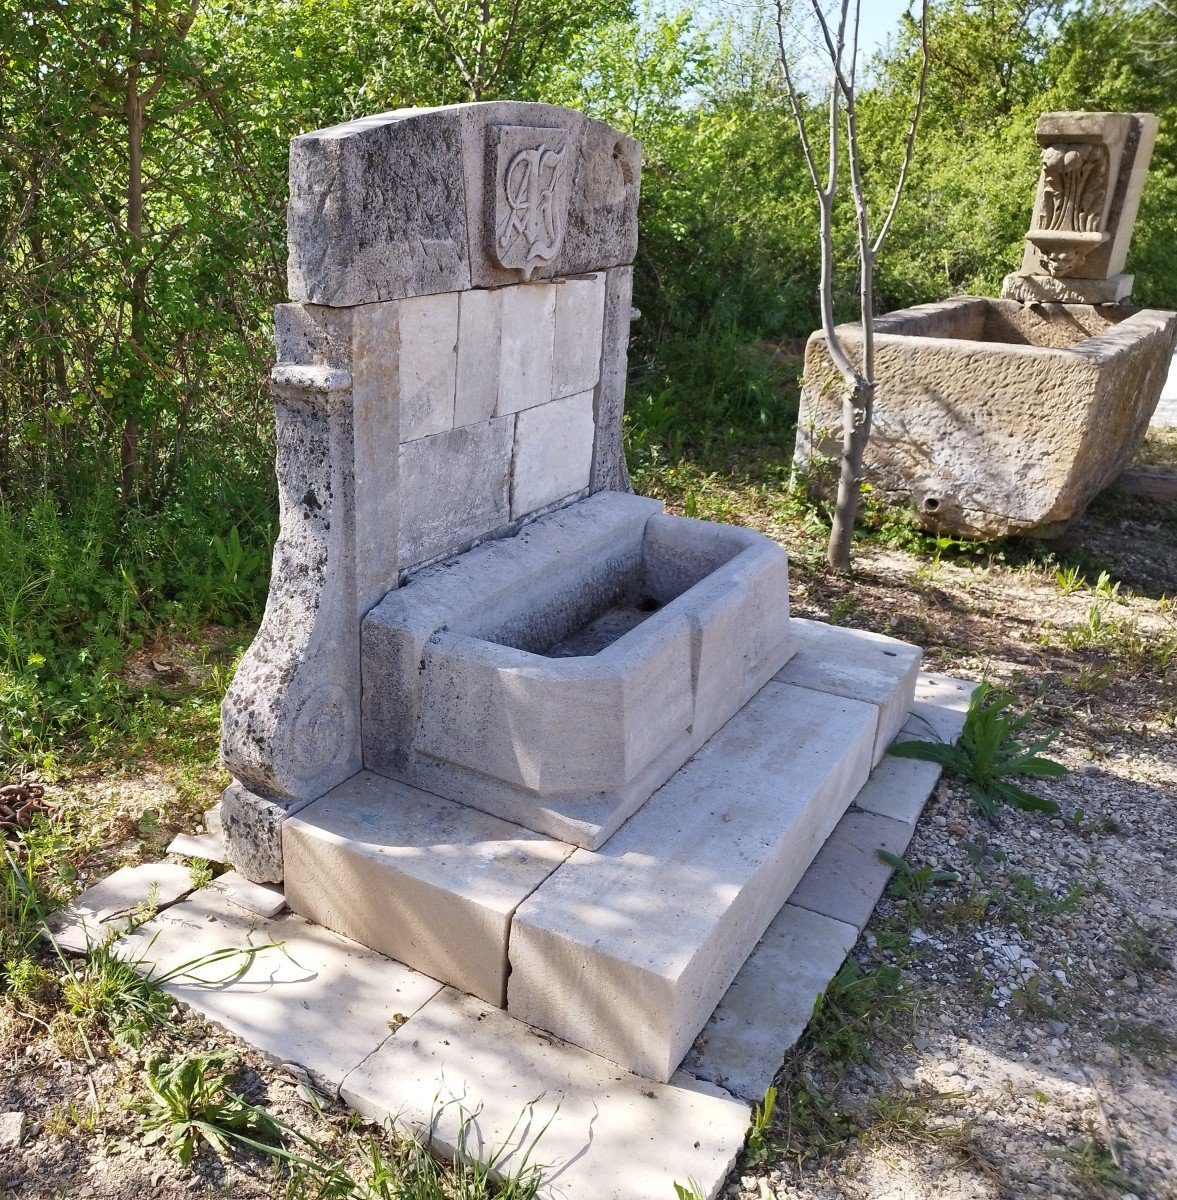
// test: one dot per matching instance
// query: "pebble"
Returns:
(12, 1130)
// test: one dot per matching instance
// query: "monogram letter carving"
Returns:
(530, 196)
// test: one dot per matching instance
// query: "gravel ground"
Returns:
(1041, 1059)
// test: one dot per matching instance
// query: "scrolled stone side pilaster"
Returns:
(290, 726)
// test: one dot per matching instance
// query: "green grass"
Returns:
(89, 584)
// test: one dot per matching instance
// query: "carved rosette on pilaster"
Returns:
(290, 720)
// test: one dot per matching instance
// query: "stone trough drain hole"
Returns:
(931, 503)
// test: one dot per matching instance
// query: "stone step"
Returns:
(656, 923)
(425, 880)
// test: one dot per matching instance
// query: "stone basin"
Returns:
(558, 677)
(993, 417)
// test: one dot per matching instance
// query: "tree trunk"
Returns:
(856, 419)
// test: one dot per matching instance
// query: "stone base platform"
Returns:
(401, 1048)
(656, 922)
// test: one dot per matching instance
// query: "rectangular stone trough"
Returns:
(557, 678)
(995, 418)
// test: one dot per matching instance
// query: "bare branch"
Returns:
(794, 100)
(909, 147)
(834, 48)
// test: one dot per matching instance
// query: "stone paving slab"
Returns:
(329, 1005)
(609, 1135)
(260, 898)
(109, 904)
(859, 665)
(656, 923)
(208, 846)
(898, 788)
(766, 1009)
(847, 878)
(424, 880)
(312, 997)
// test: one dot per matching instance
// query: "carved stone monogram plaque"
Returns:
(529, 183)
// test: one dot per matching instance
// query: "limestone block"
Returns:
(474, 592)
(480, 319)
(769, 1004)
(590, 220)
(526, 348)
(1094, 165)
(377, 209)
(580, 314)
(860, 664)
(418, 201)
(289, 727)
(603, 215)
(373, 357)
(605, 1133)
(996, 420)
(929, 722)
(944, 691)
(428, 364)
(477, 697)
(307, 996)
(423, 880)
(739, 609)
(437, 515)
(847, 877)
(479, 685)
(553, 453)
(657, 922)
(610, 472)
(253, 831)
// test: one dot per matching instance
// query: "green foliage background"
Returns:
(142, 194)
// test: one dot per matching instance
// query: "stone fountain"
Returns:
(505, 721)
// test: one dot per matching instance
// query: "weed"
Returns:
(104, 992)
(988, 753)
(200, 873)
(1070, 579)
(1025, 901)
(903, 1117)
(1090, 679)
(190, 1100)
(29, 983)
(910, 883)
(1149, 1041)
(1033, 997)
(691, 1192)
(856, 1007)
(64, 1120)
(928, 573)
(761, 1118)
(1144, 951)
(1098, 1174)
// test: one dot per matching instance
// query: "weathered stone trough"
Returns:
(993, 417)
(996, 417)
(558, 677)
